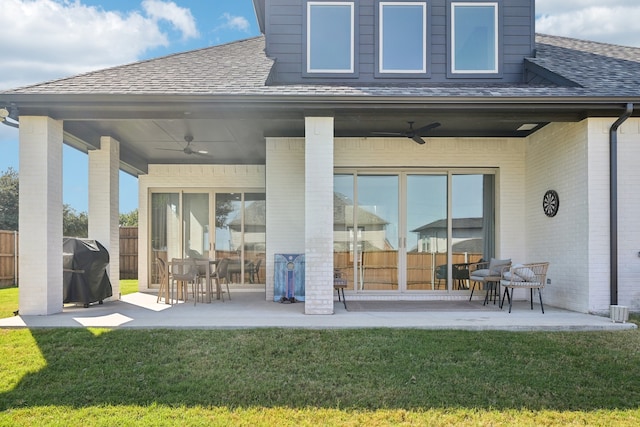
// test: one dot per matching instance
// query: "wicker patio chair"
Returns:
(525, 276)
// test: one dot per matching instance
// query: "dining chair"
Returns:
(255, 271)
(162, 277)
(221, 273)
(184, 271)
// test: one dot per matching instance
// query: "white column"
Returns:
(318, 215)
(40, 222)
(104, 206)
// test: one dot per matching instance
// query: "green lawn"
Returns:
(264, 377)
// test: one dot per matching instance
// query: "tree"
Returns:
(74, 224)
(9, 200)
(129, 219)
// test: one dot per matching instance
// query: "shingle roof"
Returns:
(232, 68)
(242, 68)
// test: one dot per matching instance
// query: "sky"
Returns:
(48, 39)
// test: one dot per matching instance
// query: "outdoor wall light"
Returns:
(4, 113)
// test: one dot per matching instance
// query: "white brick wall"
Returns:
(40, 216)
(318, 215)
(174, 178)
(104, 204)
(285, 181)
(559, 158)
(628, 212)
(573, 159)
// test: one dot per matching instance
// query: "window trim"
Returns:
(352, 47)
(426, 39)
(496, 71)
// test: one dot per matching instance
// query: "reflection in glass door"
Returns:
(376, 233)
(195, 219)
(426, 232)
(446, 221)
(165, 231)
(241, 235)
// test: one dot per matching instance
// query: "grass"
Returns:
(287, 377)
(8, 301)
(305, 377)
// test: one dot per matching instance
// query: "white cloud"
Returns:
(180, 18)
(613, 21)
(47, 39)
(231, 22)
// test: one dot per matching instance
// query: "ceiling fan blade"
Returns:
(427, 128)
(169, 149)
(417, 139)
(388, 133)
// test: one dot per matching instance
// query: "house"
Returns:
(414, 111)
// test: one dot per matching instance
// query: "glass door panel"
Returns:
(426, 233)
(255, 241)
(375, 232)
(195, 218)
(241, 235)
(343, 236)
(228, 225)
(165, 231)
(473, 223)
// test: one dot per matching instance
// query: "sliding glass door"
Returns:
(407, 232)
(180, 228)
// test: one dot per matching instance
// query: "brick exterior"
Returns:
(104, 204)
(285, 179)
(40, 216)
(573, 159)
(318, 215)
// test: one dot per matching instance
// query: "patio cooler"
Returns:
(289, 278)
(85, 278)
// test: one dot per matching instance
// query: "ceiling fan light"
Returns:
(528, 126)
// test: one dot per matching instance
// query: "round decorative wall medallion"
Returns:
(550, 203)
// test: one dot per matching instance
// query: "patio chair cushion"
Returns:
(509, 276)
(497, 265)
(480, 274)
(526, 273)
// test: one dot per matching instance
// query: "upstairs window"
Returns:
(330, 37)
(402, 37)
(474, 38)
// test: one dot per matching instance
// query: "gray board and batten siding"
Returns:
(285, 22)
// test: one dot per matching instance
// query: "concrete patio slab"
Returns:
(250, 310)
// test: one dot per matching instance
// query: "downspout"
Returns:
(613, 202)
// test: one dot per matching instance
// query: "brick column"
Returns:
(104, 206)
(319, 215)
(40, 222)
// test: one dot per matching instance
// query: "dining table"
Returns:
(205, 267)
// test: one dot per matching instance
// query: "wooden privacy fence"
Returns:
(8, 258)
(128, 252)
(9, 274)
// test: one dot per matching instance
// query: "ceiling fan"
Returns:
(411, 133)
(187, 149)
